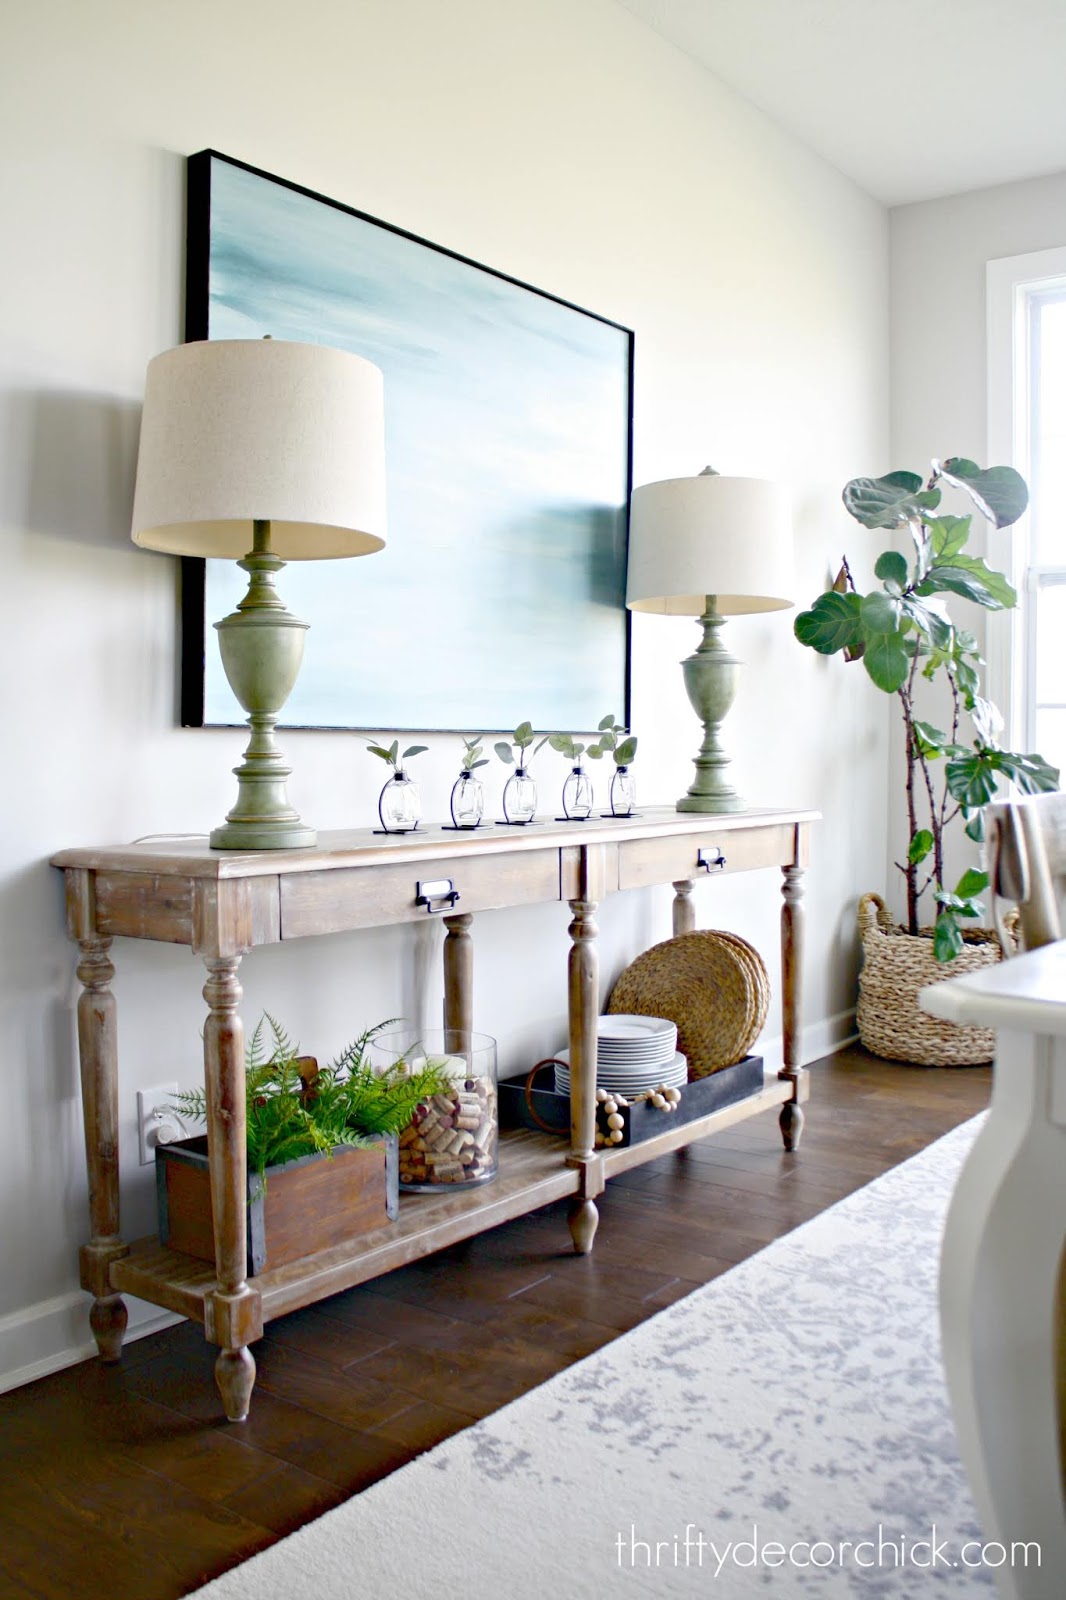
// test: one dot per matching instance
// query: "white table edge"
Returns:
(1026, 993)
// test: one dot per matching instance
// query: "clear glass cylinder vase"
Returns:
(468, 801)
(399, 804)
(623, 793)
(452, 1139)
(519, 797)
(577, 795)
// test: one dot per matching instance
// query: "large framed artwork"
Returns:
(500, 594)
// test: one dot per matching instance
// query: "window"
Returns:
(1027, 427)
(1045, 634)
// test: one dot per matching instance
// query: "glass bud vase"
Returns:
(519, 797)
(399, 804)
(623, 793)
(577, 795)
(468, 801)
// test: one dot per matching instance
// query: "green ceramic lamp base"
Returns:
(262, 646)
(711, 803)
(267, 835)
(711, 678)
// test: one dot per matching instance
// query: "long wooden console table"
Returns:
(224, 904)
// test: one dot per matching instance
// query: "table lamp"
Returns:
(269, 451)
(709, 547)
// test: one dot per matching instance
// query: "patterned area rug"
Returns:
(783, 1431)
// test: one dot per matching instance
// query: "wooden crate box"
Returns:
(304, 1206)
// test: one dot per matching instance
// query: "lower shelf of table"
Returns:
(532, 1174)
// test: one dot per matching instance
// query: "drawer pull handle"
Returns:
(710, 862)
(436, 894)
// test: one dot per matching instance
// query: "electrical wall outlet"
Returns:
(155, 1115)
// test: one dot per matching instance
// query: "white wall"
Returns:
(563, 143)
(939, 252)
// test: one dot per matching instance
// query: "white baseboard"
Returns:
(60, 1328)
(820, 1039)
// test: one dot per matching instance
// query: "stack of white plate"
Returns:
(634, 1054)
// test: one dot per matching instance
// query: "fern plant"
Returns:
(296, 1108)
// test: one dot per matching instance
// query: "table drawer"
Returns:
(371, 897)
(645, 861)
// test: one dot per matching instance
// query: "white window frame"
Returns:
(1011, 283)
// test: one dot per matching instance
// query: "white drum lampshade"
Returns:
(268, 451)
(710, 547)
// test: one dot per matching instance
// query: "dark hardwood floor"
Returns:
(125, 1483)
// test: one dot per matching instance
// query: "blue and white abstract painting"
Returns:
(500, 594)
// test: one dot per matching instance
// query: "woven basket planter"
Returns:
(895, 966)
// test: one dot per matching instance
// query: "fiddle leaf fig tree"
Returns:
(904, 636)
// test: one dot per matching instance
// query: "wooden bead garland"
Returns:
(610, 1124)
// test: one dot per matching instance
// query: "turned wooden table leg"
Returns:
(98, 1049)
(584, 1044)
(684, 907)
(459, 978)
(233, 1310)
(792, 926)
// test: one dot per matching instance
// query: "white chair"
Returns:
(1028, 866)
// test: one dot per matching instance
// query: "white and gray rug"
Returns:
(730, 1445)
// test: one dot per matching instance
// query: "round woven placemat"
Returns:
(712, 984)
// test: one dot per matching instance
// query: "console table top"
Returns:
(191, 857)
(1026, 993)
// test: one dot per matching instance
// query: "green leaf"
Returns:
(394, 750)
(996, 594)
(975, 828)
(564, 743)
(947, 937)
(887, 661)
(933, 625)
(951, 580)
(889, 502)
(523, 734)
(892, 567)
(956, 906)
(971, 779)
(475, 764)
(999, 493)
(923, 547)
(986, 720)
(504, 752)
(948, 536)
(605, 722)
(920, 846)
(376, 750)
(972, 882)
(1032, 774)
(931, 741)
(833, 623)
(626, 751)
(880, 613)
(968, 681)
(413, 750)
